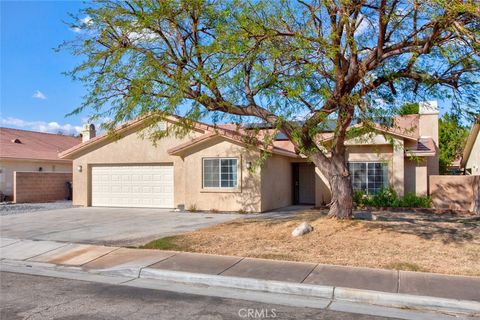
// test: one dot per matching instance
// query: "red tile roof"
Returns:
(34, 145)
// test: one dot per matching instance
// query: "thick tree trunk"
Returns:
(341, 205)
(335, 170)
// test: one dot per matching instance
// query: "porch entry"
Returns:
(303, 183)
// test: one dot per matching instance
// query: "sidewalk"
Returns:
(324, 281)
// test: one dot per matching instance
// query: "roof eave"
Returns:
(34, 159)
(178, 150)
(420, 154)
(286, 153)
(70, 153)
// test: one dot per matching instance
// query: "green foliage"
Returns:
(388, 198)
(411, 200)
(359, 197)
(409, 108)
(166, 243)
(452, 138)
(276, 61)
(383, 198)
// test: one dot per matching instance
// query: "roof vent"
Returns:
(16, 141)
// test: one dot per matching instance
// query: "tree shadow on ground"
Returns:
(448, 232)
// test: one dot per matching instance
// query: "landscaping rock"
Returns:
(302, 229)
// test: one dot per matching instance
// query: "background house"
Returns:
(213, 167)
(471, 154)
(28, 151)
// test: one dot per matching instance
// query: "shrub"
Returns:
(384, 198)
(359, 197)
(389, 198)
(193, 208)
(413, 201)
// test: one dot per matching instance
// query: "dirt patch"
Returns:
(404, 241)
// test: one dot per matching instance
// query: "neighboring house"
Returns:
(29, 151)
(471, 154)
(213, 168)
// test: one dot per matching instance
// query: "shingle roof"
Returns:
(404, 126)
(424, 147)
(33, 145)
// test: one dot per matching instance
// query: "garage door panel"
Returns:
(133, 186)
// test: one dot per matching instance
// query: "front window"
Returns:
(219, 173)
(369, 177)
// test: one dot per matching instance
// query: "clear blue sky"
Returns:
(35, 95)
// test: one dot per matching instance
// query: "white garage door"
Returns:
(133, 186)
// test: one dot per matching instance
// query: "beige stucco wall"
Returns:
(188, 190)
(276, 183)
(416, 176)
(323, 195)
(416, 172)
(421, 177)
(473, 162)
(455, 192)
(132, 148)
(410, 178)
(247, 195)
(397, 179)
(261, 189)
(8, 166)
(428, 127)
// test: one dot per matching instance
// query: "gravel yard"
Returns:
(8, 208)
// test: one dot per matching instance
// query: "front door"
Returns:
(304, 183)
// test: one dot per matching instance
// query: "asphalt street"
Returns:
(37, 297)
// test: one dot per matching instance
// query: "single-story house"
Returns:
(213, 169)
(471, 153)
(30, 151)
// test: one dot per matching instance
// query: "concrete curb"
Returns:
(239, 283)
(313, 296)
(386, 299)
(401, 300)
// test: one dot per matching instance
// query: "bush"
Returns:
(413, 201)
(384, 198)
(359, 197)
(389, 198)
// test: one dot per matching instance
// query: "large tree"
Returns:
(452, 136)
(274, 61)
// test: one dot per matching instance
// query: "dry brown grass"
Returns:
(404, 241)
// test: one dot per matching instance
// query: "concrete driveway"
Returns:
(106, 226)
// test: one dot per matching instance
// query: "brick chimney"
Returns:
(88, 132)
(428, 128)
